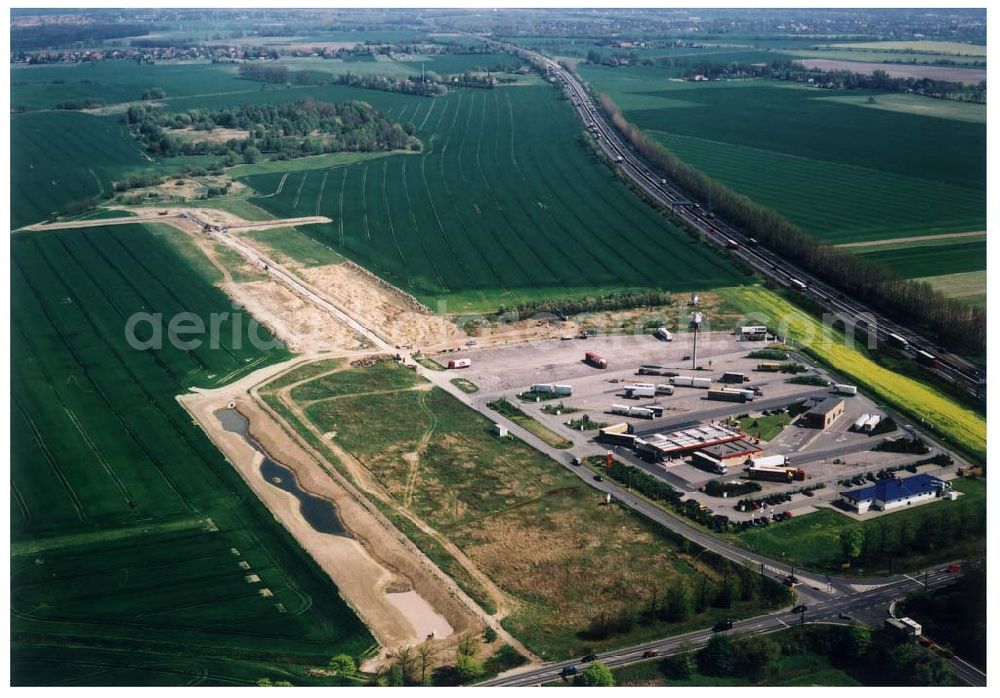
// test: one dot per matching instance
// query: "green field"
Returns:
(843, 173)
(915, 260)
(132, 537)
(812, 540)
(504, 204)
(522, 519)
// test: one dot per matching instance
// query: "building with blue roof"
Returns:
(892, 493)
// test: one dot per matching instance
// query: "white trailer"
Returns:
(619, 409)
(702, 383)
(860, 422)
(564, 390)
(844, 389)
(664, 334)
(681, 380)
(871, 423)
(664, 389)
(643, 412)
(542, 388)
(768, 462)
(635, 391)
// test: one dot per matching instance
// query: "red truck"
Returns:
(595, 360)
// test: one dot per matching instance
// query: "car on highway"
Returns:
(801, 608)
(590, 657)
(599, 478)
(844, 616)
(791, 579)
(952, 569)
(568, 671)
(648, 654)
(726, 624)
(575, 461)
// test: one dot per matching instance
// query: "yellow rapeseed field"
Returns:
(961, 425)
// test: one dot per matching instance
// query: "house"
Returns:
(730, 453)
(824, 414)
(893, 493)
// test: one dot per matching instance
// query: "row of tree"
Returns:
(956, 325)
(562, 307)
(785, 69)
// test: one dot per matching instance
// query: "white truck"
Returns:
(844, 389)
(664, 334)
(664, 389)
(643, 412)
(859, 423)
(619, 409)
(705, 383)
(637, 391)
(871, 423)
(768, 462)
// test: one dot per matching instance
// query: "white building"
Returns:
(893, 493)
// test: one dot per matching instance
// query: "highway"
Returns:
(952, 368)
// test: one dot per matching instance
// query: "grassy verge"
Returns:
(465, 385)
(313, 162)
(906, 540)
(960, 426)
(765, 427)
(427, 362)
(528, 422)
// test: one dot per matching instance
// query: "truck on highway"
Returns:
(897, 341)
(459, 363)
(797, 284)
(844, 389)
(595, 360)
(925, 358)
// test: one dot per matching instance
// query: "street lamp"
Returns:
(695, 324)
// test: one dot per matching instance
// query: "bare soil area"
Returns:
(216, 135)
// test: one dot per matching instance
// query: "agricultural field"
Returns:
(962, 427)
(504, 204)
(811, 541)
(138, 554)
(887, 165)
(531, 527)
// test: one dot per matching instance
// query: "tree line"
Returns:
(562, 307)
(785, 69)
(305, 127)
(429, 85)
(954, 324)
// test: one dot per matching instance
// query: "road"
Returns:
(952, 368)
(870, 605)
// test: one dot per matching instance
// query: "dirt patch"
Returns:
(915, 238)
(398, 318)
(216, 135)
(299, 324)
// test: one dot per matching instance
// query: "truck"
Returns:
(859, 423)
(925, 358)
(681, 381)
(906, 627)
(619, 409)
(459, 363)
(775, 474)
(641, 412)
(712, 463)
(730, 395)
(664, 389)
(871, 423)
(562, 390)
(637, 391)
(769, 366)
(664, 334)
(656, 409)
(617, 434)
(752, 331)
(844, 389)
(897, 341)
(732, 244)
(701, 383)
(595, 360)
(734, 377)
(778, 461)
(542, 388)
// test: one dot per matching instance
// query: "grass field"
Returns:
(132, 538)
(504, 204)
(960, 426)
(529, 525)
(916, 260)
(969, 286)
(765, 428)
(526, 421)
(902, 173)
(812, 540)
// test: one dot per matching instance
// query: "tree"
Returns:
(251, 155)
(852, 541)
(468, 668)
(754, 654)
(342, 665)
(857, 641)
(718, 657)
(489, 635)
(426, 654)
(597, 674)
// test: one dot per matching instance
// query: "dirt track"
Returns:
(915, 238)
